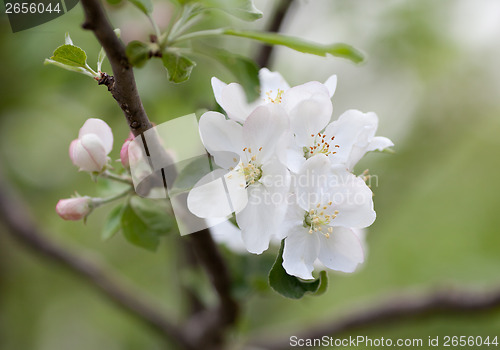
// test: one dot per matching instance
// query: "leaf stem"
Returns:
(199, 34)
(155, 26)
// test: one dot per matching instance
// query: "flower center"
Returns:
(277, 99)
(251, 169)
(316, 218)
(321, 145)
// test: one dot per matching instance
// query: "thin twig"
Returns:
(16, 219)
(402, 308)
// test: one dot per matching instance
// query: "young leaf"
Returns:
(178, 67)
(70, 55)
(339, 49)
(244, 70)
(138, 53)
(290, 286)
(145, 6)
(242, 9)
(154, 214)
(136, 231)
(67, 39)
(112, 224)
(100, 59)
(70, 68)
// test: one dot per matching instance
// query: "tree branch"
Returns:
(16, 219)
(264, 54)
(122, 87)
(124, 90)
(399, 309)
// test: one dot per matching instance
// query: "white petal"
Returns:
(313, 89)
(294, 217)
(358, 151)
(276, 180)
(313, 181)
(258, 221)
(208, 199)
(301, 249)
(217, 87)
(342, 251)
(379, 143)
(353, 132)
(351, 197)
(271, 82)
(99, 128)
(222, 138)
(331, 84)
(263, 129)
(234, 101)
(295, 158)
(361, 234)
(237, 193)
(310, 117)
(89, 153)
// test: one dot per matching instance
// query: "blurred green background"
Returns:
(433, 78)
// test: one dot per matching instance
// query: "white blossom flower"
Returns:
(256, 180)
(90, 150)
(345, 140)
(274, 89)
(328, 202)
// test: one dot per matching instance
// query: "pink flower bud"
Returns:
(124, 152)
(74, 208)
(90, 150)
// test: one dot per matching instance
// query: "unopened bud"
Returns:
(90, 150)
(74, 208)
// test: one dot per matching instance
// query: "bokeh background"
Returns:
(433, 78)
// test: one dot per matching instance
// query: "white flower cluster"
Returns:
(287, 170)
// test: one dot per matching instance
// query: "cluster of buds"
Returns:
(89, 152)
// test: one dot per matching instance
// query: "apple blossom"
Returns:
(328, 202)
(254, 173)
(90, 150)
(74, 208)
(274, 89)
(345, 140)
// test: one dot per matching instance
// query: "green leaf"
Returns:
(338, 49)
(70, 55)
(145, 6)
(138, 53)
(70, 68)
(178, 67)
(244, 70)
(113, 222)
(154, 213)
(290, 286)
(242, 9)
(136, 231)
